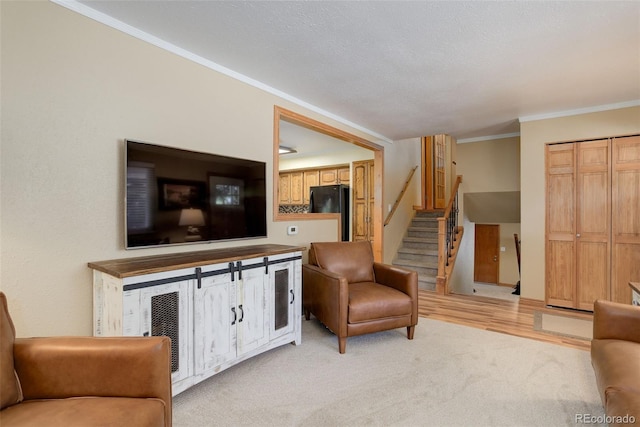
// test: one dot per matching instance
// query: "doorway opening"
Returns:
(284, 116)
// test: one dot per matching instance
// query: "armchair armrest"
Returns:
(616, 321)
(95, 366)
(395, 277)
(401, 279)
(326, 295)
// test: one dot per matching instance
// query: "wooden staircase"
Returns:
(419, 250)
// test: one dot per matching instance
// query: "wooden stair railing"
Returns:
(449, 236)
(404, 190)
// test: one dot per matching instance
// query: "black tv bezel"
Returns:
(255, 163)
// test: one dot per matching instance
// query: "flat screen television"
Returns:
(175, 196)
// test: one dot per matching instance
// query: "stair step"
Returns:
(423, 229)
(427, 283)
(420, 240)
(422, 234)
(418, 251)
(413, 263)
(431, 214)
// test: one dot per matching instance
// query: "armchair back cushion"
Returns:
(353, 261)
(10, 392)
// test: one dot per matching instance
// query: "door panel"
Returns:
(626, 217)
(560, 273)
(486, 253)
(592, 273)
(593, 223)
(560, 226)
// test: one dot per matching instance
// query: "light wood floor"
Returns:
(492, 314)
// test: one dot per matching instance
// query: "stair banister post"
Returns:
(442, 234)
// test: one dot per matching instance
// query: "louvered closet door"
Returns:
(593, 214)
(560, 225)
(626, 217)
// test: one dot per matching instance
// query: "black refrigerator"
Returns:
(331, 199)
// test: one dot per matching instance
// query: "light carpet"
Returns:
(562, 325)
(449, 375)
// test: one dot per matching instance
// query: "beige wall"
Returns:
(397, 166)
(487, 166)
(72, 90)
(534, 136)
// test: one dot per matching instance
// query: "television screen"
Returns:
(175, 196)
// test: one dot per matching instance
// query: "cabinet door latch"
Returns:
(199, 277)
(231, 270)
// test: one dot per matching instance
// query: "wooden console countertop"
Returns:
(128, 267)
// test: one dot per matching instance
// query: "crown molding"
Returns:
(594, 109)
(162, 44)
(488, 138)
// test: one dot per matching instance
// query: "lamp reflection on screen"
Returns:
(192, 219)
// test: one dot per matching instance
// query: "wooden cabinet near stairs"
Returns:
(363, 199)
(592, 221)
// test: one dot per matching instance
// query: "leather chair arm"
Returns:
(59, 367)
(616, 321)
(401, 279)
(326, 295)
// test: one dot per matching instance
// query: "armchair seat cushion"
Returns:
(371, 301)
(79, 411)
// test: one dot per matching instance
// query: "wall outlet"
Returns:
(292, 229)
(503, 249)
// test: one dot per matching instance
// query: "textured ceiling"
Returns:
(408, 69)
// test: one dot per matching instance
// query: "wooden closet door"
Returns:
(560, 225)
(593, 214)
(626, 217)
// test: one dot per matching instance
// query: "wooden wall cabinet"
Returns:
(294, 185)
(592, 226)
(218, 307)
(334, 176)
(311, 179)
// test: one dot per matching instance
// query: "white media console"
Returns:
(219, 307)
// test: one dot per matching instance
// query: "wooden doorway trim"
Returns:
(378, 151)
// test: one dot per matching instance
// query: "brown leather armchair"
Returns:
(83, 381)
(615, 356)
(353, 295)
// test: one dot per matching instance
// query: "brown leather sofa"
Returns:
(615, 356)
(83, 381)
(353, 295)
